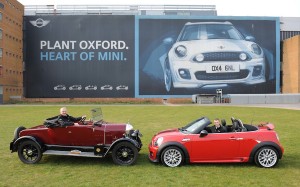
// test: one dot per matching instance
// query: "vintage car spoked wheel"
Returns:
(124, 153)
(266, 157)
(168, 76)
(172, 157)
(29, 152)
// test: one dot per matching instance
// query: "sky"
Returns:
(273, 8)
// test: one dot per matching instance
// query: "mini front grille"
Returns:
(223, 56)
(202, 75)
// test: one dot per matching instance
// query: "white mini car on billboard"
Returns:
(214, 54)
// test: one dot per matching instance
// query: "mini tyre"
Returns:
(124, 154)
(266, 157)
(29, 152)
(172, 156)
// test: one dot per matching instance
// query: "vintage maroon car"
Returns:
(195, 143)
(88, 138)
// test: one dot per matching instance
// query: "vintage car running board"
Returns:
(72, 153)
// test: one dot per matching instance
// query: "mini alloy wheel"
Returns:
(266, 157)
(172, 157)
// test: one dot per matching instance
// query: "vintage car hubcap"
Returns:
(267, 157)
(29, 152)
(125, 154)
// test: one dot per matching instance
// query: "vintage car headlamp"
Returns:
(256, 49)
(180, 51)
(243, 56)
(199, 57)
(158, 141)
(128, 128)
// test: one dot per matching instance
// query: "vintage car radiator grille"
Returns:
(223, 56)
(202, 75)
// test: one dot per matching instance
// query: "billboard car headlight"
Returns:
(243, 56)
(256, 49)
(180, 51)
(158, 141)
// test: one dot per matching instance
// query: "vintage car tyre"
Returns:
(29, 152)
(17, 132)
(172, 156)
(168, 76)
(124, 153)
(266, 157)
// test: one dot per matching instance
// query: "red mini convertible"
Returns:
(91, 138)
(196, 143)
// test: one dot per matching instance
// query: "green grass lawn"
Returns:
(78, 171)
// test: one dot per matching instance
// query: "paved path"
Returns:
(285, 106)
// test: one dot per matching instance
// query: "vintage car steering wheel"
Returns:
(82, 119)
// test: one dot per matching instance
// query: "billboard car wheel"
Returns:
(168, 76)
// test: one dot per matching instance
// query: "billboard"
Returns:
(149, 56)
(188, 56)
(79, 56)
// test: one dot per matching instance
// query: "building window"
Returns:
(0, 52)
(1, 34)
(0, 16)
(1, 6)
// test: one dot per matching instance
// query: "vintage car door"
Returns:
(77, 135)
(214, 147)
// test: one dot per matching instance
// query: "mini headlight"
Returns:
(180, 51)
(243, 56)
(158, 141)
(256, 49)
(199, 57)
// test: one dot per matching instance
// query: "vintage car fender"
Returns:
(14, 144)
(179, 145)
(132, 141)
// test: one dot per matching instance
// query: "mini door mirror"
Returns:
(203, 133)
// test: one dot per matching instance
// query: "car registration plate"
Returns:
(222, 68)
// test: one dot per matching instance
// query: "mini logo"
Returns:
(221, 47)
(39, 22)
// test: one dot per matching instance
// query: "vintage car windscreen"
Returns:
(96, 114)
(209, 31)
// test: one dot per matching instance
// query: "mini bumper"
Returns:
(195, 75)
(153, 153)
